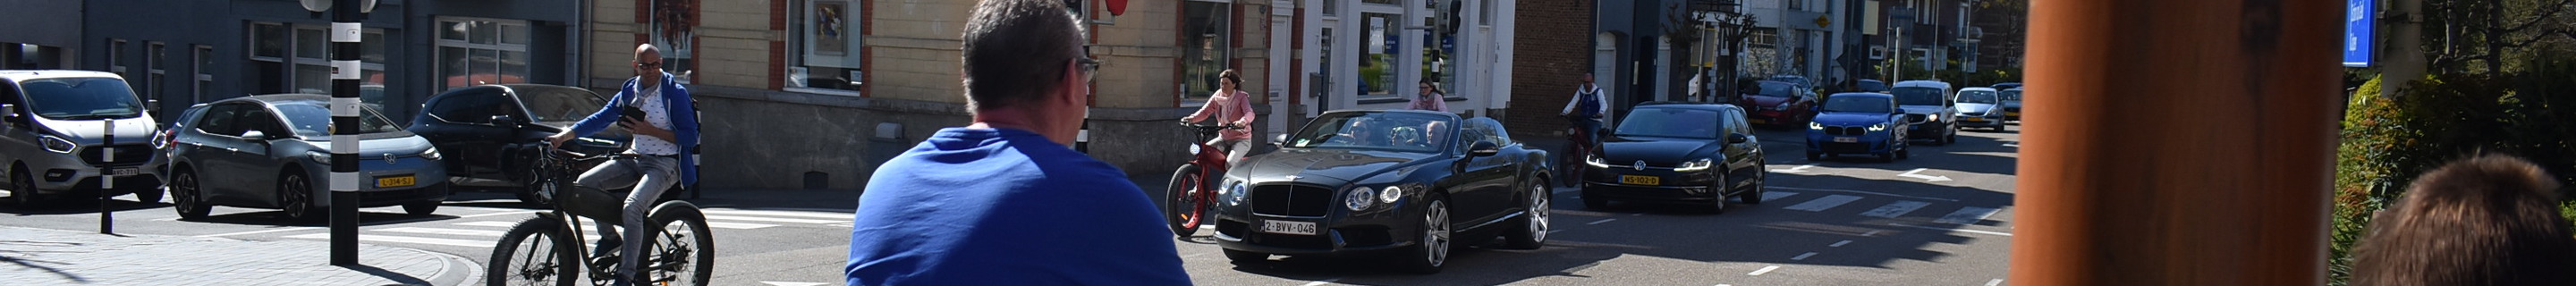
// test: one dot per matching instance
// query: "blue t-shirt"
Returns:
(1006, 207)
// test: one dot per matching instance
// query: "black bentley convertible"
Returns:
(1406, 184)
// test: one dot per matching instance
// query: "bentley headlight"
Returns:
(57, 144)
(1595, 162)
(431, 154)
(1358, 199)
(1812, 125)
(1695, 166)
(1390, 194)
(1877, 127)
(1232, 193)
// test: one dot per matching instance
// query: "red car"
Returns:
(1779, 103)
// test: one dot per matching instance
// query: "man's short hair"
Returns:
(1015, 51)
(2489, 220)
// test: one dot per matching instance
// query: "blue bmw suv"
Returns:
(1858, 123)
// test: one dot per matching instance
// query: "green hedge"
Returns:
(2387, 141)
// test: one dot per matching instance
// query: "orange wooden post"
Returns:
(2177, 142)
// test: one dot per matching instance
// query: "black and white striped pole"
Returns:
(345, 32)
(106, 179)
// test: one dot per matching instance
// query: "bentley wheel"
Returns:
(1431, 250)
(1534, 224)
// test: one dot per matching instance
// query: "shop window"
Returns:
(116, 63)
(1205, 37)
(1440, 44)
(827, 41)
(674, 29)
(1377, 60)
(481, 51)
(312, 59)
(202, 80)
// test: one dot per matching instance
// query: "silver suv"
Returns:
(53, 124)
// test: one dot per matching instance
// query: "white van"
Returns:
(53, 127)
(1932, 106)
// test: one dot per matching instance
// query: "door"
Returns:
(1489, 177)
(1743, 160)
(214, 154)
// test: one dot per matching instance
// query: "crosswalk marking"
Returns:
(1776, 195)
(1827, 202)
(1967, 215)
(443, 231)
(489, 223)
(772, 219)
(405, 239)
(1893, 210)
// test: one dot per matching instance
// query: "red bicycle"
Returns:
(1188, 195)
(1578, 146)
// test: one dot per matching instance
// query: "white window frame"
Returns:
(295, 60)
(204, 56)
(155, 67)
(799, 45)
(500, 43)
(116, 63)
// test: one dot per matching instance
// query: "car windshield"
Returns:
(1863, 104)
(1918, 96)
(2012, 94)
(560, 104)
(1872, 85)
(1670, 122)
(1977, 96)
(1779, 89)
(82, 98)
(312, 120)
(1387, 131)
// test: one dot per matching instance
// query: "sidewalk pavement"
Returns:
(34, 256)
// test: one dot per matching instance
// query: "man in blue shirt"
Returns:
(1003, 201)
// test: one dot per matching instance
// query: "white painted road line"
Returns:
(1967, 215)
(442, 231)
(1870, 233)
(1840, 244)
(1803, 256)
(1860, 192)
(405, 239)
(1927, 178)
(1764, 270)
(1794, 170)
(1827, 202)
(1601, 221)
(1954, 229)
(259, 231)
(772, 219)
(1995, 282)
(489, 223)
(1774, 196)
(1893, 210)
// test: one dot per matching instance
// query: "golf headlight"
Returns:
(1694, 166)
(431, 153)
(1359, 199)
(1595, 162)
(1814, 126)
(1390, 194)
(57, 144)
(1878, 127)
(319, 157)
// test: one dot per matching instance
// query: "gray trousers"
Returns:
(650, 175)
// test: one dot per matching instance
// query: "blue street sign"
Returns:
(2356, 32)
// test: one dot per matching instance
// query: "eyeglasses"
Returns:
(1090, 68)
(649, 65)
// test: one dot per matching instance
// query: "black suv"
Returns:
(490, 132)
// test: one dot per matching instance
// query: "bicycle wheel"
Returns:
(1183, 208)
(533, 252)
(683, 251)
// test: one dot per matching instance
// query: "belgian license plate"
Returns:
(1641, 180)
(124, 171)
(1288, 227)
(1846, 139)
(399, 181)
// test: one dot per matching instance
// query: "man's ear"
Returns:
(1072, 90)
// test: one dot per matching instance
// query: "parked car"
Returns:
(1409, 183)
(1697, 153)
(1801, 81)
(2012, 103)
(1929, 106)
(2006, 86)
(1980, 107)
(57, 127)
(1781, 103)
(1859, 123)
(1870, 85)
(490, 132)
(273, 151)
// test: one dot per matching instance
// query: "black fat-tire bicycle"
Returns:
(547, 249)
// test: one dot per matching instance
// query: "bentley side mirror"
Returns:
(1278, 139)
(1481, 148)
(1737, 138)
(254, 135)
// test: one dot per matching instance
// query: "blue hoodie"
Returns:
(684, 121)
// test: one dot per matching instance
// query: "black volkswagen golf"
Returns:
(489, 132)
(1698, 153)
(1409, 184)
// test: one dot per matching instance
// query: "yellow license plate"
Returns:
(1976, 119)
(1641, 180)
(2016, 113)
(388, 182)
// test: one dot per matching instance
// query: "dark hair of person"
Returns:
(1230, 76)
(1016, 51)
(2489, 220)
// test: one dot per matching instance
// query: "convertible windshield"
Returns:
(1862, 104)
(1918, 96)
(1670, 122)
(312, 120)
(1387, 131)
(1977, 96)
(82, 98)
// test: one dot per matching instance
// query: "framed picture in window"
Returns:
(831, 29)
